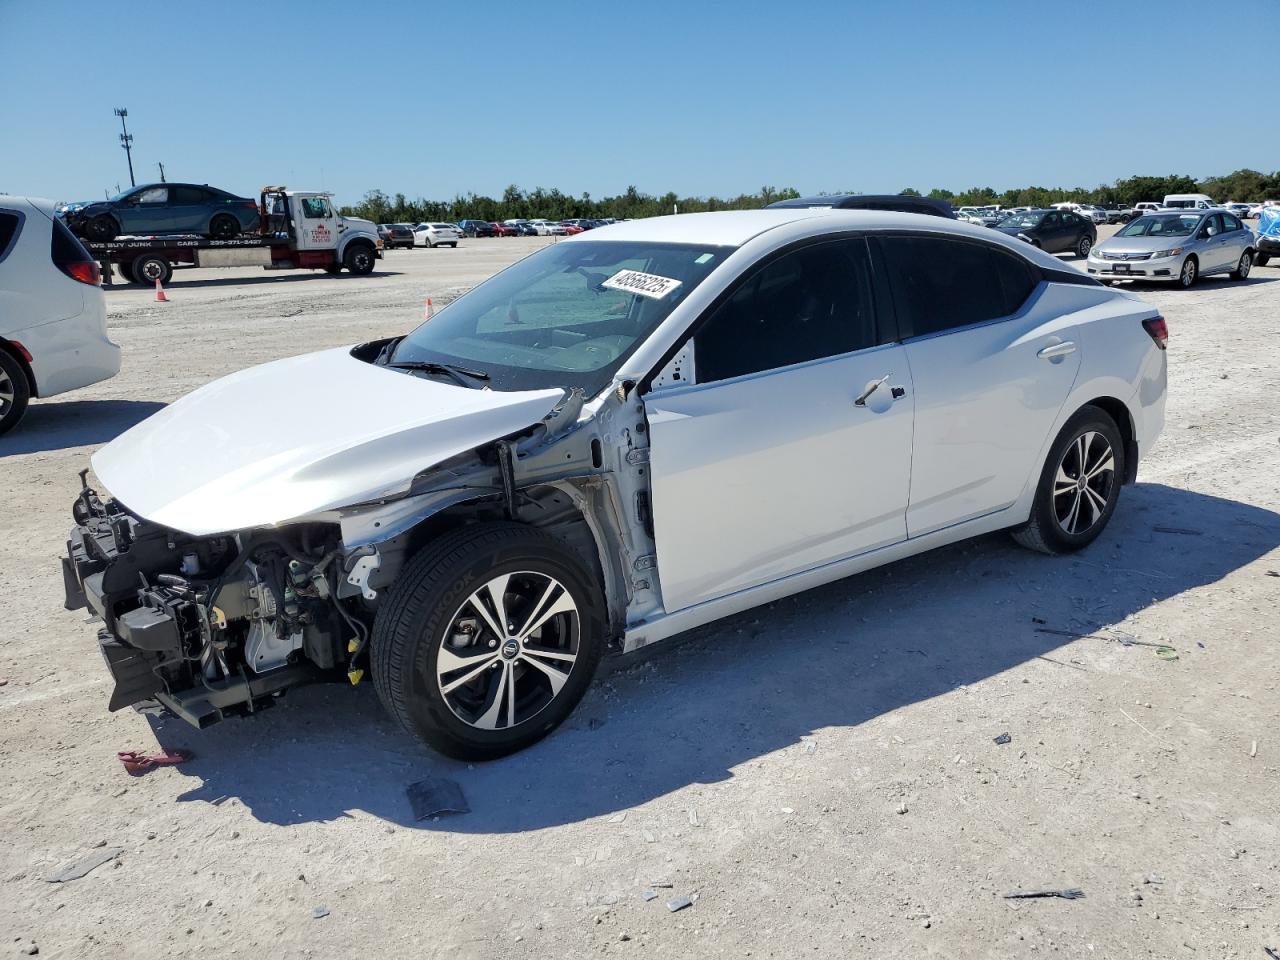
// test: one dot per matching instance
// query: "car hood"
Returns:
(1143, 244)
(291, 438)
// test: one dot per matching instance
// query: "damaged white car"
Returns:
(628, 434)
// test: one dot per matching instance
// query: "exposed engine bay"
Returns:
(214, 624)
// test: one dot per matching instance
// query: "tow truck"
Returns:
(297, 230)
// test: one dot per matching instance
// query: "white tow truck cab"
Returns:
(297, 230)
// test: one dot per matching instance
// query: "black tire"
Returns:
(1189, 272)
(224, 227)
(333, 269)
(422, 611)
(1261, 259)
(359, 259)
(1243, 266)
(102, 228)
(149, 268)
(427, 244)
(1048, 530)
(454, 245)
(1083, 246)
(15, 391)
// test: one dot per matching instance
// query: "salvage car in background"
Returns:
(397, 235)
(164, 208)
(53, 313)
(1176, 247)
(1054, 231)
(616, 439)
(437, 234)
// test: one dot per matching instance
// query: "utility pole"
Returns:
(126, 141)
(161, 166)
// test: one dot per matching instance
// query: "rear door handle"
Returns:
(1063, 349)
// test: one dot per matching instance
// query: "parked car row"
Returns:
(448, 234)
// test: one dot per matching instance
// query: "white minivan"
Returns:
(1189, 201)
(53, 313)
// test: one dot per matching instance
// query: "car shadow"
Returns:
(270, 276)
(61, 424)
(834, 657)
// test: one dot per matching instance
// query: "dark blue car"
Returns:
(159, 208)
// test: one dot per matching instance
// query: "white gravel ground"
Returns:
(819, 774)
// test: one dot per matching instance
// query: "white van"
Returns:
(1188, 201)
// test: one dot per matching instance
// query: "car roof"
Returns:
(733, 228)
(874, 201)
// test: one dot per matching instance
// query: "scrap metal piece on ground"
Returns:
(137, 763)
(679, 903)
(1003, 739)
(86, 864)
(1071, 893)
(436, 795)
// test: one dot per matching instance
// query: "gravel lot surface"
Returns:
(820, 775)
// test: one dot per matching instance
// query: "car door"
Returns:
(1050, 231)
(991, 363)
(145, 211)
(775, 457)
(1227, 243)
(188, 209)
(1069, 233)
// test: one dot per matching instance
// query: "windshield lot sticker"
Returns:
(645, 284)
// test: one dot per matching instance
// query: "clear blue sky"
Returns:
(437, 98)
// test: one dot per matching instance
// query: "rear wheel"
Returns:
(1083, 246)
(1262, 259)
(488, 640)
(150, 268)
(224, 227)
(1243, 266)
(14, 391)
(1079, 486)
(359, 259)
(101, 229)
(1189, 273)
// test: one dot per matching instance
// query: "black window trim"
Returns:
(17, 231)
(886, 322)
(1046, 277)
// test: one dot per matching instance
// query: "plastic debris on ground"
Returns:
(1070, 893)
(434, 796)
(137, 763)
(1003, 739)
(84, 865)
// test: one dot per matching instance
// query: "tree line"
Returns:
(1241, 185)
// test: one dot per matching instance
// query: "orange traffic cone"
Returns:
(160, 297)
(430, 310)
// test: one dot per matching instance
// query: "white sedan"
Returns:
(548, 228)
(610, 442)
(437, 235)
(53, 313)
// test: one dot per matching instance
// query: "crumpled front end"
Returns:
(209, 626)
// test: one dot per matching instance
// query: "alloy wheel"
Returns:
(1083, 484)
(1188, 275)
(7, 393)
(508, 650)
(1244, 266)
(1085, 246)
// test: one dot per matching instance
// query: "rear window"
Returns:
(9, 223)
(442, 226)
(65, 248)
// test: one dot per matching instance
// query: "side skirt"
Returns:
(665, 626)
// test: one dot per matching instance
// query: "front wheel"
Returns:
(1083, 246)
(1079, 486)
(101, 229)
(1189, 273)
(1243, 266)
(15, 391)
(1262, 259)
(359, 259)
(488, 639)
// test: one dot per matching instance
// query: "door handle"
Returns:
(1063, 349)
(861, 401)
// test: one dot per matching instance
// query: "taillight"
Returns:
(1158, 329)
(86, 271)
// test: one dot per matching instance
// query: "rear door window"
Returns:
(9, 224)
(808, 304)
(187, 195)
(939, 283)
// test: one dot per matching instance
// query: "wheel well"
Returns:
(1123, 420)
(14, 352)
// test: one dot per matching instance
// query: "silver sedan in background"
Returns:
(1177, 246)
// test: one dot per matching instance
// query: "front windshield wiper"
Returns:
(459, 374)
